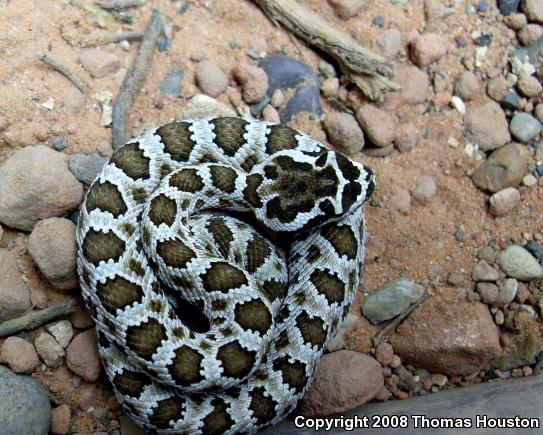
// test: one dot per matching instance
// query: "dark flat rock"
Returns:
(515, 397)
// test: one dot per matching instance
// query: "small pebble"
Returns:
(483, 40)
(508, 291)
(529, 86)
(511, 101)
(467, 86)
(483, 271)
(59, 144)
(461, 41)
(378, 21)
(327, 70)
(524, 127)
(504, 201)
(529, 34)
(507, 7)
(488, 292)
(401, 200)
(529, 180)
(425, 189)
(534, 248)
(210, 78)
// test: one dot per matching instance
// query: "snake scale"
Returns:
(218, 258)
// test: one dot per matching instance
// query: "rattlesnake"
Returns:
(219, 257)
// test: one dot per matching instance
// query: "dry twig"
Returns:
(134, 79)
(37, 318)
(369, 71)
(63, 69)
(116, 5)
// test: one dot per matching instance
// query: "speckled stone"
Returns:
(27, 411)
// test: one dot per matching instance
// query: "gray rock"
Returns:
(508, 291)
(286, 73)
(171, 84)
(35, 184)
(14, 296)
(86, 167)
(486, 253)
(391, 300)
(210, 78)
(486, 126)
(524, 127)
(518, 263)
(202, 106)
(52, 247)
(484, 272)
(508, 6)
(343, 132)
(504, 168)
(533, 9)
(467, 86)
(27, 410)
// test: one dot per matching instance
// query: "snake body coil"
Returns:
(203, 325)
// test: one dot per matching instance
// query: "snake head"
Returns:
(304, 189)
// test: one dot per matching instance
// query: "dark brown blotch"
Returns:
(229, 134)
(218, 421)
(250, 191)
(177, 140)
(236, 361)
(294, 373)
(186, 366)
(342, 239)
(162, 210)
(312, 329)
(262, 405)
(274, 289)
(253, 315)
(329, 285)
(222, 235)
(130, 383)
(175, 253)
(106, 197)
(167, 410)
(131, 160)
(280, 138)
(223, 178)
(187, 180)
(116, 293)
(223, 277)
(99, 246)
(258, 251)
(146, 338)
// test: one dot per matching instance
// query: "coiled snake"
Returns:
(218, 258)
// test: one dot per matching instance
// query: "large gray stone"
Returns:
(24, 405)
(518, 263)
(391, 300)
(35, 184)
